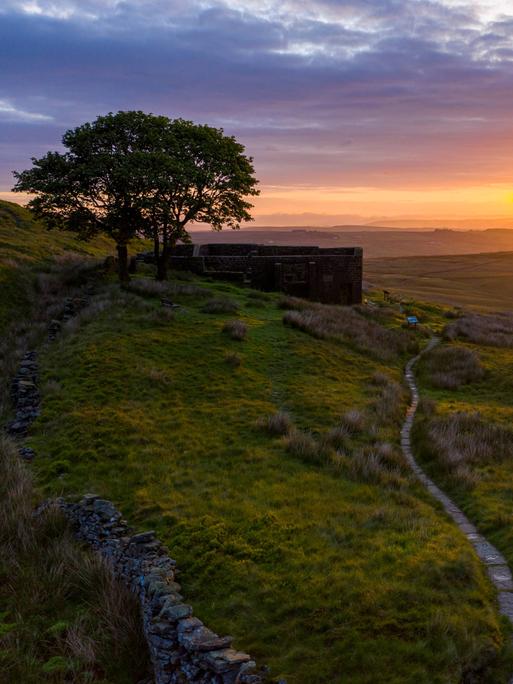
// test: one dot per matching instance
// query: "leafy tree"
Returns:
(100, 184)
(199, 175)
(133, 173)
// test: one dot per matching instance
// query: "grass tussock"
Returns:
(220, 305)
(388, 406)
(463, 441)
(305, 447)
(279, 423)
(146, 287)
(258, 296)
(65, 617)
(346, 324)
(233, 359)
(294, 304)
(353, 421)
(236, 329)
(450, 367)
(495, 330)
(377, 464)
(338, 437)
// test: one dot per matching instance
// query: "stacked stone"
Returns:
(182, 649)
(71, 306)
(24, 395)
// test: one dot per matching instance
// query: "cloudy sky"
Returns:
(372, 107)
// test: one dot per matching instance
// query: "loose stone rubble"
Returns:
(182, 648)
(24, 396)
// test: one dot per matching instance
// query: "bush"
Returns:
(235, 329)
(451, 367)
(218, 306)
(495, 330)
(278, 423)
(347, 325)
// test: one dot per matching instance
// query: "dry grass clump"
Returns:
(462, 440)
(376, 465)
(451, 367)
(220, 305)
(66, 614)
(353, 421)
(304, 446)
(389, 404)
(236, 329)
(347, 325)
(65, 271)
(146, 287)
(232, 359)
(338, 437)
(495, 330)
(279, 423)
(294, 304)
(258, 296)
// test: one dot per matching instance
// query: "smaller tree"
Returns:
(199, 175)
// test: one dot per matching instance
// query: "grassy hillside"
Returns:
(62, 618)
(314, 547)
(25, 247)
(481, 281)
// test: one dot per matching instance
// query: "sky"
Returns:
(350, 108)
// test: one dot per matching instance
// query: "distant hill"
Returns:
(383, 243)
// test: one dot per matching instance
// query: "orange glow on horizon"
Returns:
(463, 202)
(457, 203)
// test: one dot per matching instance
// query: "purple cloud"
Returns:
(374, 92)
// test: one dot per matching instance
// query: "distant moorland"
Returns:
(375, 242)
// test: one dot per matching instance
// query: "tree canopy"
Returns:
(133, 173)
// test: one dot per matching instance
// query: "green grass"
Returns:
(488, 502)
(63, 617)
(25, 247)
(321, 574)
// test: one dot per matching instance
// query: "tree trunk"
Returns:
(156, 247)
(163, 257)
(124, 276)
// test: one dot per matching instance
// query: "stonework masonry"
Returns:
(182, 648)
(331, 276)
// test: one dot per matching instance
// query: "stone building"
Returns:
(332, 275)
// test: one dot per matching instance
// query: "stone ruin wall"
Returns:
(332, 275)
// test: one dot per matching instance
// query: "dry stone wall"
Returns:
(182, 648)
